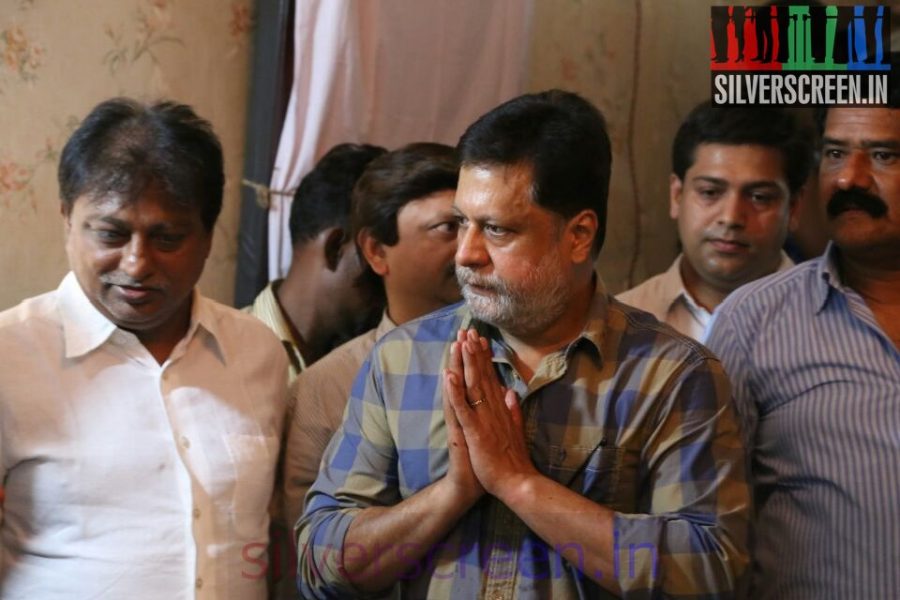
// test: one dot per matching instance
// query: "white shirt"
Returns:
(125, 478)
(666, 298)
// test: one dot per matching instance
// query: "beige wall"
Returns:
(645, 63)
(58, 58)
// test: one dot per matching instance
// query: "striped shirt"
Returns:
(630, 414)
(817, 386)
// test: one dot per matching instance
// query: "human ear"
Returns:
(334, 248)
(676, 189)
(583, 229)
(373, 251)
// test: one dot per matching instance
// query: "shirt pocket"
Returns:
(253, 459)
(592, 471)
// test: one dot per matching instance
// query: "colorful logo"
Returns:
(800, 55)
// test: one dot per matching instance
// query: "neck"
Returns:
(705, 295)
(298, 299)
(873, 281)
(530, 348)
(161, 341)
(401, 309)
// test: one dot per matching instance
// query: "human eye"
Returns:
(448, 227)
(169, 241)
(763, 199)
(708, 193)
(495, 230)
(832, 154)
(884, 157)
(110, 236)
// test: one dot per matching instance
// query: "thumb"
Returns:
(512, 403)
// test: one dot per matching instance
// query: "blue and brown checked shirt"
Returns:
(817, 386)
(631, 414)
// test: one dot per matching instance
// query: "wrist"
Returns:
(454, 497)
(518, 489)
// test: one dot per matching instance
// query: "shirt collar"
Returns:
(827, 277)
(85, 328)
(674, 288)
(203, 315)
(266, 308)
(385, 325)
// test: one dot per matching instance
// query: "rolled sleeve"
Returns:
(692, 541)
(358, 471)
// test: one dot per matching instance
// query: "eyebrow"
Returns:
(865, 144)
(708, 179)
(165, 226)
(762, 183)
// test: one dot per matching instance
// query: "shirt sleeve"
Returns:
(358, 470)
(310, 428)
(691, 540)
(725, 340)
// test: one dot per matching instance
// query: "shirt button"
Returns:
(199, 583)
(196, 513)
(185, 442)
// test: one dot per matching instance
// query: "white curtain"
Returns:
(390, 72)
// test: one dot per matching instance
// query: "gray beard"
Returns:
(527, 308)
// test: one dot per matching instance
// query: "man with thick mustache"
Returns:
(814, 357)
(139, 420)
(540, 440)
(737, 172)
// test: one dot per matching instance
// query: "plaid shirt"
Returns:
(630, 415)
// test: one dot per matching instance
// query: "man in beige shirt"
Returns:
(317, 305)
(406, 231)
(736, 176)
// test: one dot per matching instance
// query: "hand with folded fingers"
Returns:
(459, 472)
(489, 417)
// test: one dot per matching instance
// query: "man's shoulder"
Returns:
(348, 356)
(783, 290)
(656, 294)
(30, 314)
(647, 295)
(639, 333)
(238, 325)
(439, 326)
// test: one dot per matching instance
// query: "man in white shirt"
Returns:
(139, 421)
(406, 231)
(736, 176)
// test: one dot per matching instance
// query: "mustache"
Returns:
(466, 276)
(854, 198)
(121, 280)
(726, 236)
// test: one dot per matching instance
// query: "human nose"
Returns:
(732, 211)
(855, 172)
(136, 260)
(470, 249)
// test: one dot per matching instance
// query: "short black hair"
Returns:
(124, 146)
(392, 181)
(322, 199)
(893, 93)
(562, 137)
(768, 126)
